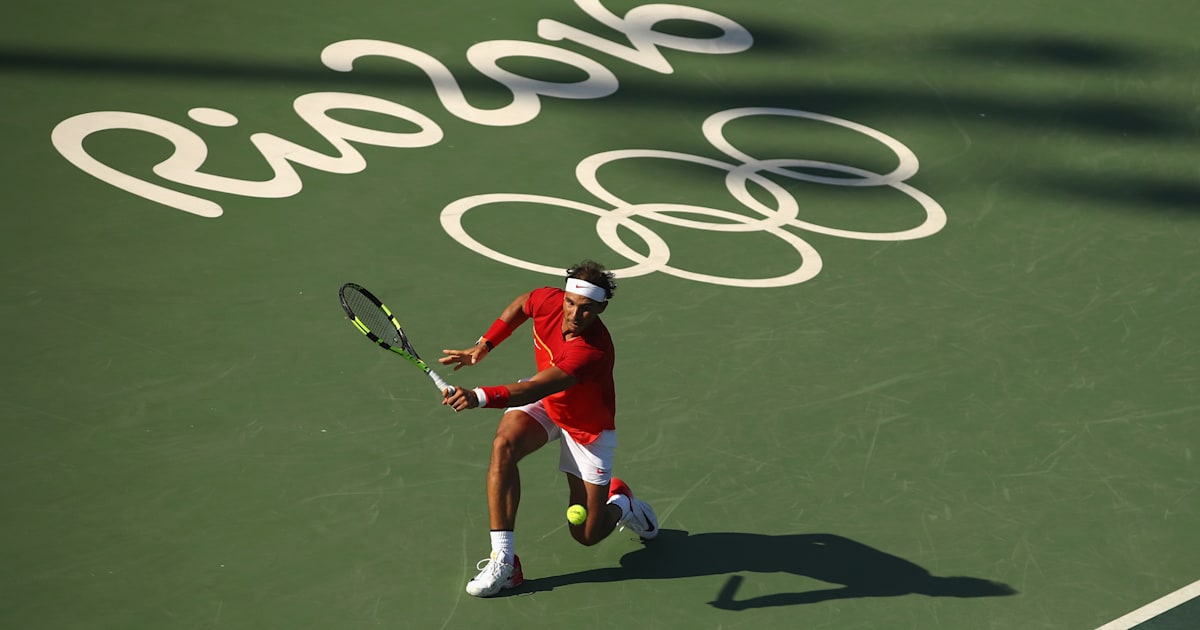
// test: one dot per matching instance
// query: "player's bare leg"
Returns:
(517, 436)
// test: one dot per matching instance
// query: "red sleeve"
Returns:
(537, 298)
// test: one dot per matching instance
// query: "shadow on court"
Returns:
(861, 571)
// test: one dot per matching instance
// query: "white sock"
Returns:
(502, 546)
(622, 502)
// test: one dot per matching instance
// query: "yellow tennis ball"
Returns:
(576, 514)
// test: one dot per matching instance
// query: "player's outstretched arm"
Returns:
(549, 381)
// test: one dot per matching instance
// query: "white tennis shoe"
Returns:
(495, 575)
(641, 517)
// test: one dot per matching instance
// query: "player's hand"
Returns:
(463, 358)
(460, 399)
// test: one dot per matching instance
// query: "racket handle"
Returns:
(440, 382)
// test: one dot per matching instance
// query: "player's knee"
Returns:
(504, 449)
(581, 536)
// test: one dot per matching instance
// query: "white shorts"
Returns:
(590, 462)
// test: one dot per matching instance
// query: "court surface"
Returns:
(906, 326)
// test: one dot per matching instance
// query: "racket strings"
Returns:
(375, 319)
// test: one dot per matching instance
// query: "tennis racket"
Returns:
(374, 320)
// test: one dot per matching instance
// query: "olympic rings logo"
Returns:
(778, 221)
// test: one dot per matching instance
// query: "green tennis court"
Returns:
(906, 326)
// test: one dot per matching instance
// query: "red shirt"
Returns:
(590, 406)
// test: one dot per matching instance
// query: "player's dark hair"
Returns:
(595, 273)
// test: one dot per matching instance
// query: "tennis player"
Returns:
(571, 399)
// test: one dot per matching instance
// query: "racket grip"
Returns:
(441, 383)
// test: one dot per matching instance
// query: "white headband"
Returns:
(586, 289)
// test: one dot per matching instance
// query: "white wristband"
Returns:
(481, 397)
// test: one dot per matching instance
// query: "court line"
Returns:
(1154, 608)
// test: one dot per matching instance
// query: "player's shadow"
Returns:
(861, 571)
